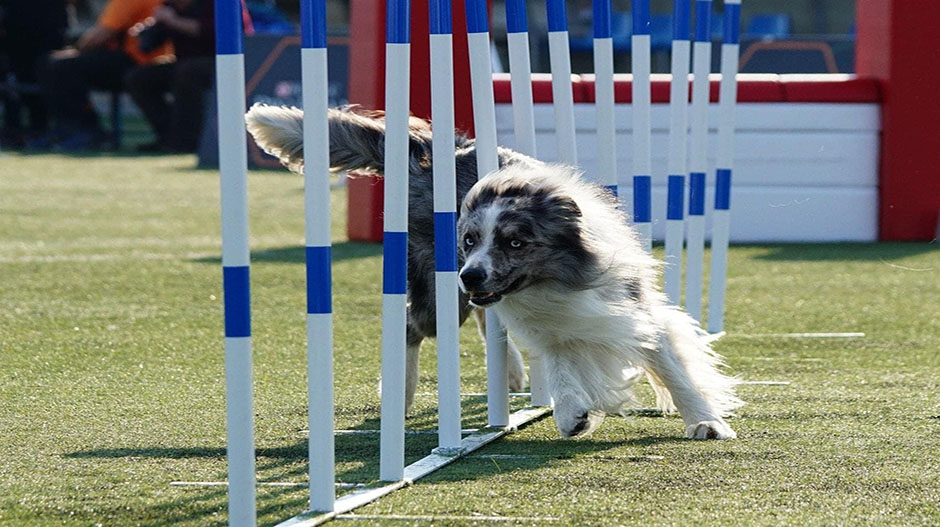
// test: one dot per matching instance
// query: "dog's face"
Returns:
(513, 235)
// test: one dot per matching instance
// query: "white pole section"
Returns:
(642, 154)
(445, 225)
(678, 130)
(604, 96)
(698, 162)
(721, 220)
(233, 167)
(523, 113)
(562, 96)
(395, 245)
(484, 123)
(317, 226)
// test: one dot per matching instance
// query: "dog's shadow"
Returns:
(357, 459)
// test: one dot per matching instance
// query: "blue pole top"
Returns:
(398, 22)
(681, 19)
(641, 17)
(477, 17)
(228, 27)
(313, 23)
(439, 12)
(516, 21)
(602, 18)
(557, 15)
(732, 23)
(703, 14)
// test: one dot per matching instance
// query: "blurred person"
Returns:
(170, 92)
(100, 59)
(31, 29)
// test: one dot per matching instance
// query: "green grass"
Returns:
(111, 374)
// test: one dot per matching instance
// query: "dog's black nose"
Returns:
(473, 277)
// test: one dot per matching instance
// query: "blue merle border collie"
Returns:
(555, 258)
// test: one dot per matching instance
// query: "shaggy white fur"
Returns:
(590, 339)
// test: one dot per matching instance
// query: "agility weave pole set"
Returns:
(230, 83)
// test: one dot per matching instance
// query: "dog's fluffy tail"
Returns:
(357, 139)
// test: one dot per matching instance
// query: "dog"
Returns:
(555, 258)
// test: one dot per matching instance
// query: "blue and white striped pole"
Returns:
(698, 162)
(642, 154)
(233, 167)
(318, 248)
(562, 95)
(395, 246)
(484, 123)
(721, 218)
(604, 96)
(677, 163)
(445, 225)
(523, 113)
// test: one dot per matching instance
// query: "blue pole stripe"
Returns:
(313, 23)
(398, 22)
(732, 23)
(642, 192)
(681, 19)
(703, 12)
(557, 15)
(319, 287)
(612, 189)
(602, 19)
(641, 17)
(228, 27)
(696, 194)
(236, 289)
(723, 188)
(445, 241)
(478, 20)
(439, 12)
(516, 21)
(675, 197)
(395, 263)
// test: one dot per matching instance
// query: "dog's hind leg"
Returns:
(688, 368)
(412, 350)
(514, 363)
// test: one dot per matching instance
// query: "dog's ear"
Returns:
(278, 130)
(566, 207)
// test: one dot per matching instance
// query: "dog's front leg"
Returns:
(574, 415)
(514, 363)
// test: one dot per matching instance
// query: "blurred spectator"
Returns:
(99, 61)
(29, 30)
(189, 25)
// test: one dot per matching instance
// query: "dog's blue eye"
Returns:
(468, 241)
(515, 244)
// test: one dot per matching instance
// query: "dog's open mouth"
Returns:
(483, 299)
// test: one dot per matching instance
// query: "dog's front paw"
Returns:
(581, 424)
(710, 430)
(518, 380)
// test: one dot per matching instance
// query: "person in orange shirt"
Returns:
(100, 59)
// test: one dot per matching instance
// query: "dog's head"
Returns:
(516, 231)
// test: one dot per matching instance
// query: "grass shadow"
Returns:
(830, 252)
(296, 254)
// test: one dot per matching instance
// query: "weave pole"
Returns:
(562, 95)
(698, 162)
(445, 225)
(642, 104)
(484, 124)
(604, 96)
(677, 162)
(315, 92)
(395, 244)
(523, 117)
(721, 220)
(233, 168)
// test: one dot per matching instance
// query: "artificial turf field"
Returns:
(111, 376)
